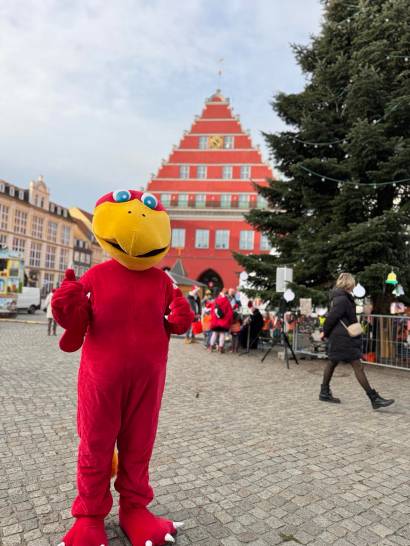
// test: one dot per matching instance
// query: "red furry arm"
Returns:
(180, 316)
(71, 309)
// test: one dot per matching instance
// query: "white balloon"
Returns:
(289, 295)
(359, 291)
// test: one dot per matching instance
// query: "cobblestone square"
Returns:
(245, 454)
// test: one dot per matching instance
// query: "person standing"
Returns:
(51, 323)
(221, 320)
(341, 346)
(195, 302)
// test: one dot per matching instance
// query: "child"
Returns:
(235, 329)
(206, 324)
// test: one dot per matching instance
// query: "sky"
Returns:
(95, 93)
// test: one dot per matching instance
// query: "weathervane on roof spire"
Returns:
(220, 72)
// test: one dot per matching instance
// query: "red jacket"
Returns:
(225, 322)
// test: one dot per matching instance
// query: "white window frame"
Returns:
(264, 243)
(246, 239)
(261, 202)
(178, 238)
(184, 172)
(20, 221)
(227, 170)
(35, 254)
(229, 142)
(202, 238)
(222, 239)
(203, 143)
(51, 252)
(200, 200)
(3, 240)
(52, 228)
(2, 187)
(243, 201)
(63, 262)
(201, 171)
(12, 191)
(183, 200)
(4, 216)
(21, 195)
(65, 235)
(19, 244)
(245, 172)
(225, 202)
(165, 199)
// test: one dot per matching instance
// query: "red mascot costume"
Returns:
(124, 311)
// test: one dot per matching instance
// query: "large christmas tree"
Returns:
(344, 199)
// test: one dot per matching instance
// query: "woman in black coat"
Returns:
(341, 346)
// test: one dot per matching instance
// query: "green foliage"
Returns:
(355, 109)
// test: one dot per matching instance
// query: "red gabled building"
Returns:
(207, 186)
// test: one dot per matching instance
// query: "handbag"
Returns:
(354, 329)
(197, 327)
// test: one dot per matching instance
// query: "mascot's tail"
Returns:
(114, 464)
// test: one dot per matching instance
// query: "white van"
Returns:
(28, 300)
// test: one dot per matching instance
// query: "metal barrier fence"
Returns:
(385, 340)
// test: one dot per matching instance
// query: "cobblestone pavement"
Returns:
(245, 452)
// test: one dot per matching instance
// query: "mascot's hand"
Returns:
(181, 315)
(71, 309)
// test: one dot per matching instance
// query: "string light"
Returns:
(350, 182)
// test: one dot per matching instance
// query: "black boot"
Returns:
(377, 401)
(326, 395)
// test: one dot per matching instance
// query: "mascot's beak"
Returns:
(133, 234)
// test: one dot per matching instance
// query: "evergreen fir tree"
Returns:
(349, 134)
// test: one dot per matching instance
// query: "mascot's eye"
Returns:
(149, 200)
(121, 196)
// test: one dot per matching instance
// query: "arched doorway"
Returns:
(212, 280)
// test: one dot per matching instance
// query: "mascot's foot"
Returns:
(86, 532)
(144, 529)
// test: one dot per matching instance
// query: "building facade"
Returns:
(207, 186)
(39, 229)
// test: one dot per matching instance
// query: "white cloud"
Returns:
(94, 93)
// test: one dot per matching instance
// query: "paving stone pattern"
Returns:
(246, 454)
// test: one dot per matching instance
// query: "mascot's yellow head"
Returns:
(133, 227)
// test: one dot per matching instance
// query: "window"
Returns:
(202, 238)
(265, 243)
(203, 142)
(246, 240)
(222, 238)
(226, 200)
(227, 171)
(184, 171)
(201, 171)
(50, 257)
(2, 187)
(65, 235)
(76, 256)
(52, 232)
(37, 227)
(261, 202)
(52, 207)
(200, 200)
(63, 259)
(21, 194)
(165, 199)
(48, 282)
(228, 142)
(59, 211)
(243, 201)
(245, 171)
(183, 200)
(178, 238)
(3, 240)
(4, 216)
(12, 191)
(65, 213)
(19, 245)
(35, 254)
(20, 222)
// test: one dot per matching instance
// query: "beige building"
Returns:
(42, 231)
(85, 219)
